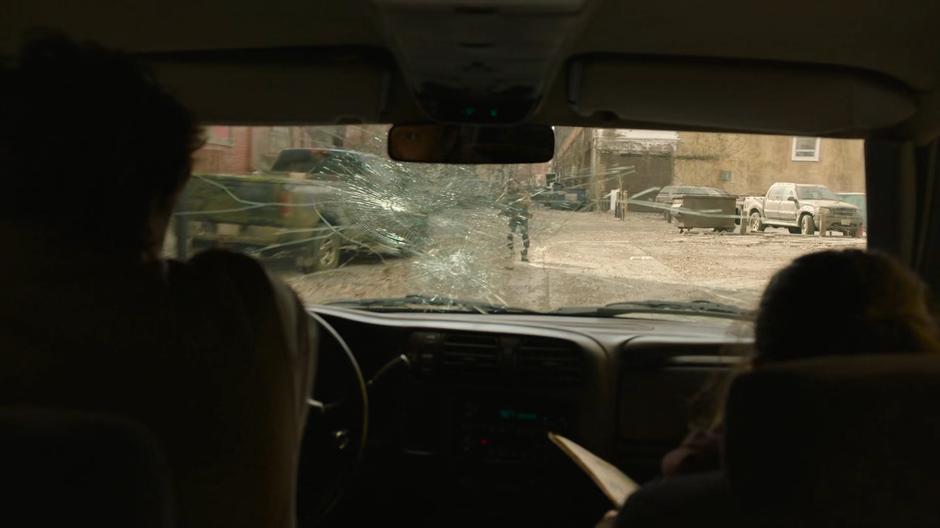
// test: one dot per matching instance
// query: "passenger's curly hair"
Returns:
(89, 143)
(834, 303)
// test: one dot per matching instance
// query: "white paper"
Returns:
(615, 485)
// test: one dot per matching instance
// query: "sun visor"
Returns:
(236, 90)
(759, 97)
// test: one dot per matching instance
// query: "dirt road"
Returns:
(577, 259)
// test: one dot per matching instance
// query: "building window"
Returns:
(219, 135)
(724, 175)
(805, 149)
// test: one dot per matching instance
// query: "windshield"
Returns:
(804, 192)
(325, 209)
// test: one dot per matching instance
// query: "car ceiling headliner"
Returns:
(896, 40)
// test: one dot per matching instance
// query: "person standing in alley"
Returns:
(514, 204)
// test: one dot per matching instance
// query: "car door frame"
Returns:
(770, 204)
(789, 211)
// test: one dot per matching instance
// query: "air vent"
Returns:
(548, 362)
(470, 357)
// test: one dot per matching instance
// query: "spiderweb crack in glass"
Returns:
(444, 231)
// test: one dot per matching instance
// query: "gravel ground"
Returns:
(577, 259)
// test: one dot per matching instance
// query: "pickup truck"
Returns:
(801, 208)
(311, 205)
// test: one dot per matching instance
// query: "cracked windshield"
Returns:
(680, 221)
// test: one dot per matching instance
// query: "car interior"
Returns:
(439, 418)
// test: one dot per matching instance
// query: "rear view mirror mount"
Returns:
(471, 144)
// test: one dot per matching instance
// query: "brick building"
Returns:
(243, 150)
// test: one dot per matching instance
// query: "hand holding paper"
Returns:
(615, 485)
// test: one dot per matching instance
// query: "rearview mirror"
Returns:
(437, 143)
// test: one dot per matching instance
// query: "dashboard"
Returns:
(463, 420)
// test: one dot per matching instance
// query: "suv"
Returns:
(802, 209)
(858, 200)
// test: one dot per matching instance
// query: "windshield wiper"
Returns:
(700, 307)
(436, 303)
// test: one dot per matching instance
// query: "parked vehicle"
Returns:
(556, 196)
(670, 192)
(704, 211)
(802, 209)
(311, 205)
(858, 200)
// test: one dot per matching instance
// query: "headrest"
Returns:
(853, 441)
(66, 468)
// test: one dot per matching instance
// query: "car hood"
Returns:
(829, 203)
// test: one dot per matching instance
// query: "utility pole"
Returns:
(621, 194)
(595, 184)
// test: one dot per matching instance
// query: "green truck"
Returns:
(313, 204)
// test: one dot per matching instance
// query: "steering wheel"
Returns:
(336, 430)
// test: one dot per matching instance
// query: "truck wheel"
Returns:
(853, 233)
(807, 227)
(320, 254)
(794, 230)
(756, 225)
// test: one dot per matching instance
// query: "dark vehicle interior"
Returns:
(444, 419)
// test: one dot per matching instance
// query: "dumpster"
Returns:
(704, 211)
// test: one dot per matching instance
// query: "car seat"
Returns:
(67, 468)
(822, 442)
